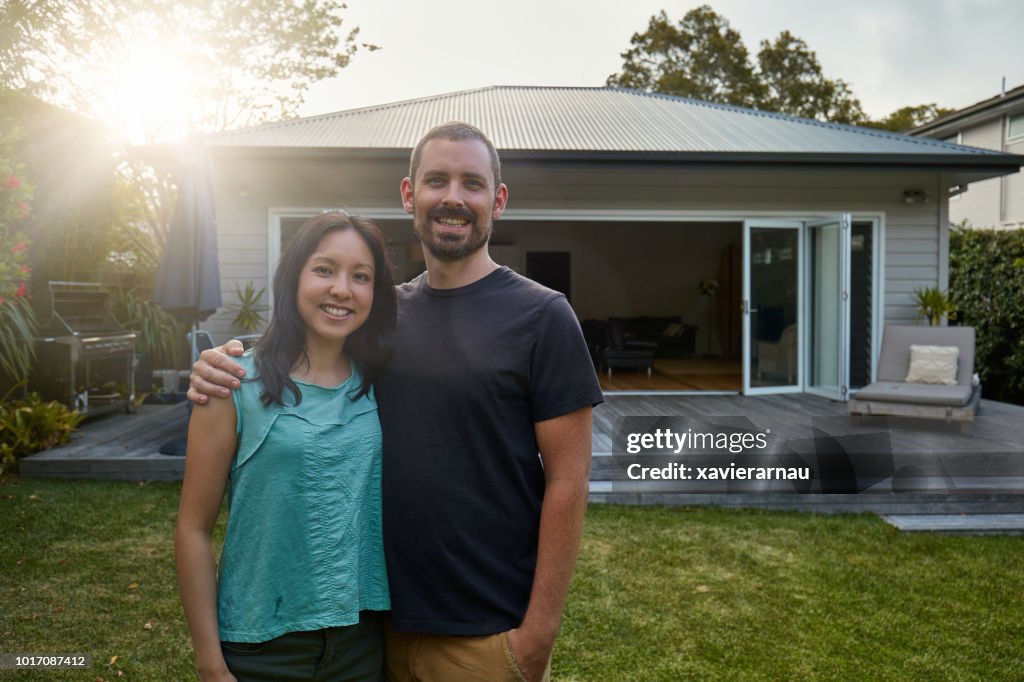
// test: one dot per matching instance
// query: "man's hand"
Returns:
(215, 373)
(532, 652)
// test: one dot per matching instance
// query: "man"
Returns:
(489, 369)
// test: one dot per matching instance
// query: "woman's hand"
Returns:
(220, 674)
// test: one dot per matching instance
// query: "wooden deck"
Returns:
(997, 435)
(125, 447)
(118, 447)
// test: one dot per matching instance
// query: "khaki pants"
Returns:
(414, 657)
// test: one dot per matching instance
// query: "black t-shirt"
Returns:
(474, 368)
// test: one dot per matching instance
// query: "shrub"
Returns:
(986, 288)
(160, 335)
(30, 425)
(17, 321)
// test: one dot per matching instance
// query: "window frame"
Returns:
(1010, 118)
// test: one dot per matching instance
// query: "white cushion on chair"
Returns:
(933, 365)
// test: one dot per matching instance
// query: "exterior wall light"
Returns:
(914, 197)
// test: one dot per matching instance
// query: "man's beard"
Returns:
(451, 247)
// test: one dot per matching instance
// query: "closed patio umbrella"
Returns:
(188, 281)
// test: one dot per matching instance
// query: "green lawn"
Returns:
(660, 594)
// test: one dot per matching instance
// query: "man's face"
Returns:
(453, 200)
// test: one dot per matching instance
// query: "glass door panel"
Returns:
(828, 285)
(773, 294)
(862, 288)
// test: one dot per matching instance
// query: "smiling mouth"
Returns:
(453, 222)
(336, 311)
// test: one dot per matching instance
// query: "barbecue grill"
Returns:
(84, 357)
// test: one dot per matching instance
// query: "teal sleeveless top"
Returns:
(303, 548)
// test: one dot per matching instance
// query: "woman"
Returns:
(299, 451)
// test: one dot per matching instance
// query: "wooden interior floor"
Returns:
(679, 374)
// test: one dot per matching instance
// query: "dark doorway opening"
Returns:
(553, 269)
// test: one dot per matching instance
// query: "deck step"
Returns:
(987, 509)
(1006, 524)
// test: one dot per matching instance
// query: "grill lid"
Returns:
(80, 308)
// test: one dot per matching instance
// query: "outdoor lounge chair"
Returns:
(892, 395)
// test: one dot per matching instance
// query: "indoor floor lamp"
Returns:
(709, 287)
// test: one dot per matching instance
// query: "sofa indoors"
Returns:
(674, 338)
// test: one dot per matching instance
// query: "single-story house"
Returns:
(787, 243)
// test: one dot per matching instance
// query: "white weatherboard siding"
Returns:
(980, 205)
(1013, 190)
(594, 212)
(997, 203)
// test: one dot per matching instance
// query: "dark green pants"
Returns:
(354, 653)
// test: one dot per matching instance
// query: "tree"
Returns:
(906, 118)
(704, 58)
(247, 61)
(38, 36)
(795, 84)
(701, 57)
(251, 59)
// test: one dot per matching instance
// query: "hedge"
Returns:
(986, 286)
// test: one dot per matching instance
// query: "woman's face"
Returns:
(335, 292)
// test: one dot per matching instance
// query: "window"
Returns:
(1015, 127)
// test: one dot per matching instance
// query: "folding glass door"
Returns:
(797, 332)
(773, 296)
(828, 307)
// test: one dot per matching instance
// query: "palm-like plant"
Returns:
(249, 310)
(934, 304)
(160, 335)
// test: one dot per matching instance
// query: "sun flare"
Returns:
(148, 93)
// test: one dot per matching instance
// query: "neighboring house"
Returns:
(817, 233)
(998, 124)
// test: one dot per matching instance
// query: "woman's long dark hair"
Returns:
(284, 342)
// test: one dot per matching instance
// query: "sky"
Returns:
(893, 53)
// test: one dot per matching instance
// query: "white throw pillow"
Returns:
(933, 365)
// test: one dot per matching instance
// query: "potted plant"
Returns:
(159, 336)
(933, 304)
(249, 309)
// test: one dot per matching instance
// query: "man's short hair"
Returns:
(455, 131)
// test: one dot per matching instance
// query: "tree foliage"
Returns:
(69, 161)
(794, 83)
(251, 60)
(700, 57)
(38, 39)
(906, 118)
(703, 57)
(986, 287)
(103, 214)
